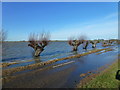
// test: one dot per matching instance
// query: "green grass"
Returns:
(106, 79)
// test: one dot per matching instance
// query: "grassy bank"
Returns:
(106, 79)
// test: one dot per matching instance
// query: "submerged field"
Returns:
(19, 51)
(57, 66)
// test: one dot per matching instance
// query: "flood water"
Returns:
(66, 76)
(19, 51)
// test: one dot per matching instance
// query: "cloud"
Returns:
(113, 15)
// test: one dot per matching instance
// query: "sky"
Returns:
(95, 20)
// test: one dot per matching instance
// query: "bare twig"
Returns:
(3, 35)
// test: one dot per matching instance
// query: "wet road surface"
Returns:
(62, 74)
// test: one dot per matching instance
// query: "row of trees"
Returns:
(39, 42)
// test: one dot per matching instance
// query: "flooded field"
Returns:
(65, 73)
(19, 51)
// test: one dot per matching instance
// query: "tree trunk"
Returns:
(38, 51)
(94, 45)
(85, 45)
(75, 48)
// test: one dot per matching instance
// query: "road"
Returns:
(63, 74)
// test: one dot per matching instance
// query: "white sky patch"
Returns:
(113, 15)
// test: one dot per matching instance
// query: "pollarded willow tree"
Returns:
(94, 42)
(84, 40)
(107, 43)
(85, 44)
(75, 42)
(38, 42)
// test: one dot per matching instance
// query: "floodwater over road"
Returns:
(62, 74)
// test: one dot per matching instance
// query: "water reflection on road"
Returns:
(66, 75)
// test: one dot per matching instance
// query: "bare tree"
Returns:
(84, 41)
(38, 42)
(107, 43)
(110, 42)
(76, 42)
(3, 35)
(94, 42)
(85, 44)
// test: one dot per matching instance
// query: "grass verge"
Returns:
(106, 79)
